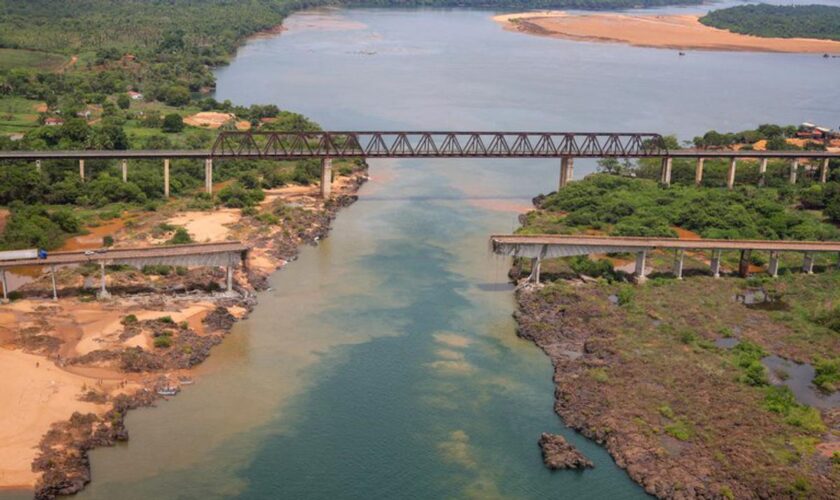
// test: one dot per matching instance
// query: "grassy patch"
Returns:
(30, 59)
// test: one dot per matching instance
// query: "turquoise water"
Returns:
(384, 362)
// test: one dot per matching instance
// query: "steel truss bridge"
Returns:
(278, 145)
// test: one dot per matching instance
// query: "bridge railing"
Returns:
(276, 144)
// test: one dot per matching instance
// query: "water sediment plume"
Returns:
(679, 32)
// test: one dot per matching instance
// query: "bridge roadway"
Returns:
(544, 246)
(327, 145)
(223, 254)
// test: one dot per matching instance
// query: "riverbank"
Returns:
(678, 32)
(71, 369)
(678, 380)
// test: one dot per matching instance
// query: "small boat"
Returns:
(682, 53)
(185, 381)
(167, 391)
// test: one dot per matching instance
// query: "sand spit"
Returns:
(678, 32)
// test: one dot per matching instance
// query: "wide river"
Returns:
(384, 362)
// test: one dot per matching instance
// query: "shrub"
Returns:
(748, 357)
(582, 264)
(782, 401)
(107, 241)
(181, 237)
(163, 341)
(827, 374)
(157, 270)
(129, 320)
(599, 375)
(236, 196)
(172, 123)
(625, 295)
(680, 430)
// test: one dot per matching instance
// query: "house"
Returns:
(135, 96)
(53, 122)
(84, 114)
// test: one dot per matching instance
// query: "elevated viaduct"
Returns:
(328, 145)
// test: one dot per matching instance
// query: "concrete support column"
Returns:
(730, 175)
(229, 275)
(208, 176)
(773, 267)
(678, 263)
(666, 171)
(808, 263)
(326, 177)
(698, 172)
(52, 276)
(716, 263)
(166, 178)
(535, 270)
(639, 273)
(744, 263)
(794, 169)
(124, 165)
(103, 292)
(82, 169)
(38, 166)
(567, 170)
(762, 172)
(5, 285)
(824, 171)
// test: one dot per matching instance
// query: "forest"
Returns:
(782, 21)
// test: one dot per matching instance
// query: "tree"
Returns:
(173, 123)
(123, 101)
(176, 95)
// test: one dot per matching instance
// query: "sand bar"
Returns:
(679, 32)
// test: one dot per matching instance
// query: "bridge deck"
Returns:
(209, 254)
(200, 154)
(550, 245)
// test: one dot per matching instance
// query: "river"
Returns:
(384, 363)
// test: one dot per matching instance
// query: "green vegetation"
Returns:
(624, 206)
(163, 340)
(679, 429)
(181, 237)
(784, 21)
(30, 59)
(781, 400)
(827, 376)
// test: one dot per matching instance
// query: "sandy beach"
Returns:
(679, 32)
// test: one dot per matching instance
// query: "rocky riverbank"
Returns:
(646, 380)
(94, 360)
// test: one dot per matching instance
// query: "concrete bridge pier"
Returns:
(52, 277)
(5, 286)
(639, 273)
(762, 172)
(773, 267)
(744, 263)
(665, 173)
(808, 263)
(678, 263)
(208, 176)
(326, 177)
(567, 170)
(82, 169)
(124, 166)
(103, 292)
(730, 174)
(38, 166)
(534, 277)
(166, 178)
(698, 172)
(824, 171)
(794, 169)
(715, 265)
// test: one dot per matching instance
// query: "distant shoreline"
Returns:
(677, 32)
